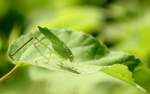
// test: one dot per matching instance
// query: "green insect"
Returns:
(57, 44)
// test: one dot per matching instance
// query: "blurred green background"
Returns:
(119, 24)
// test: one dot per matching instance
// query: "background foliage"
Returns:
(120, 24)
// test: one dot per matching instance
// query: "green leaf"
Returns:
(42, 49)
(119, 71)
(45, 49)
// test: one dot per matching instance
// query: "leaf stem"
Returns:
(10, 73)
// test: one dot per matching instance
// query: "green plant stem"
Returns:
(10, 73)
